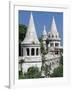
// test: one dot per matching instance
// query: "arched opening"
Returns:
(49, 35)
(56, 52)
(56, 44)
(32, 51)
(37, 51)
(56, 36)
(27, 51)
(51, 44)
(52, 36)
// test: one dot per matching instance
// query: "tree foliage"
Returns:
(33, 72)
(58, 72)
(61, 60)
(21, 76)
(22, 32)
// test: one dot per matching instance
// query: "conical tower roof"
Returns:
(53, 34)
(44, 31)
(31, 36)
(53, 26)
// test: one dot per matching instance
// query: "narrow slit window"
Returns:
(37, 51)
(32, 51)
(27, 51)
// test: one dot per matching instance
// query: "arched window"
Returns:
(37, 51)
(49, 35)
(52, 36)
(56, 36)
(56, 52)
(51, 44)
(27, 51)
(56, 44)
(32, 51)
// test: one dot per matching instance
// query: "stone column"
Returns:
(54, 44)
(30, 50)
(35, 51)
(38, 51)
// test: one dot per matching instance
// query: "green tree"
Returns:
(21, 76)
(58, 72)
(22, 32)
(33, 72)
(47, 70)
(61, 60)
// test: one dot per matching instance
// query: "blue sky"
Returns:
(41, 19)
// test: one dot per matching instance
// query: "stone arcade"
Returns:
(30, 47)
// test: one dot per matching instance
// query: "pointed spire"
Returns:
(44, 34)
(53, 26)
(31, 26)
(31, 36)
(44, 31)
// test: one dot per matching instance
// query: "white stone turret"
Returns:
(44, 37)
(53, 37)
(53, 34)
(31, 47)
(44, 33)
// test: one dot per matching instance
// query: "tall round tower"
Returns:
(31, 47)
(54, 39)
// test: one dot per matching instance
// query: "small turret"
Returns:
(44, 37)
(44, 33)
(53, 37)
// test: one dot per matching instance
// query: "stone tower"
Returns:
(31, 47)
(54, 39)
